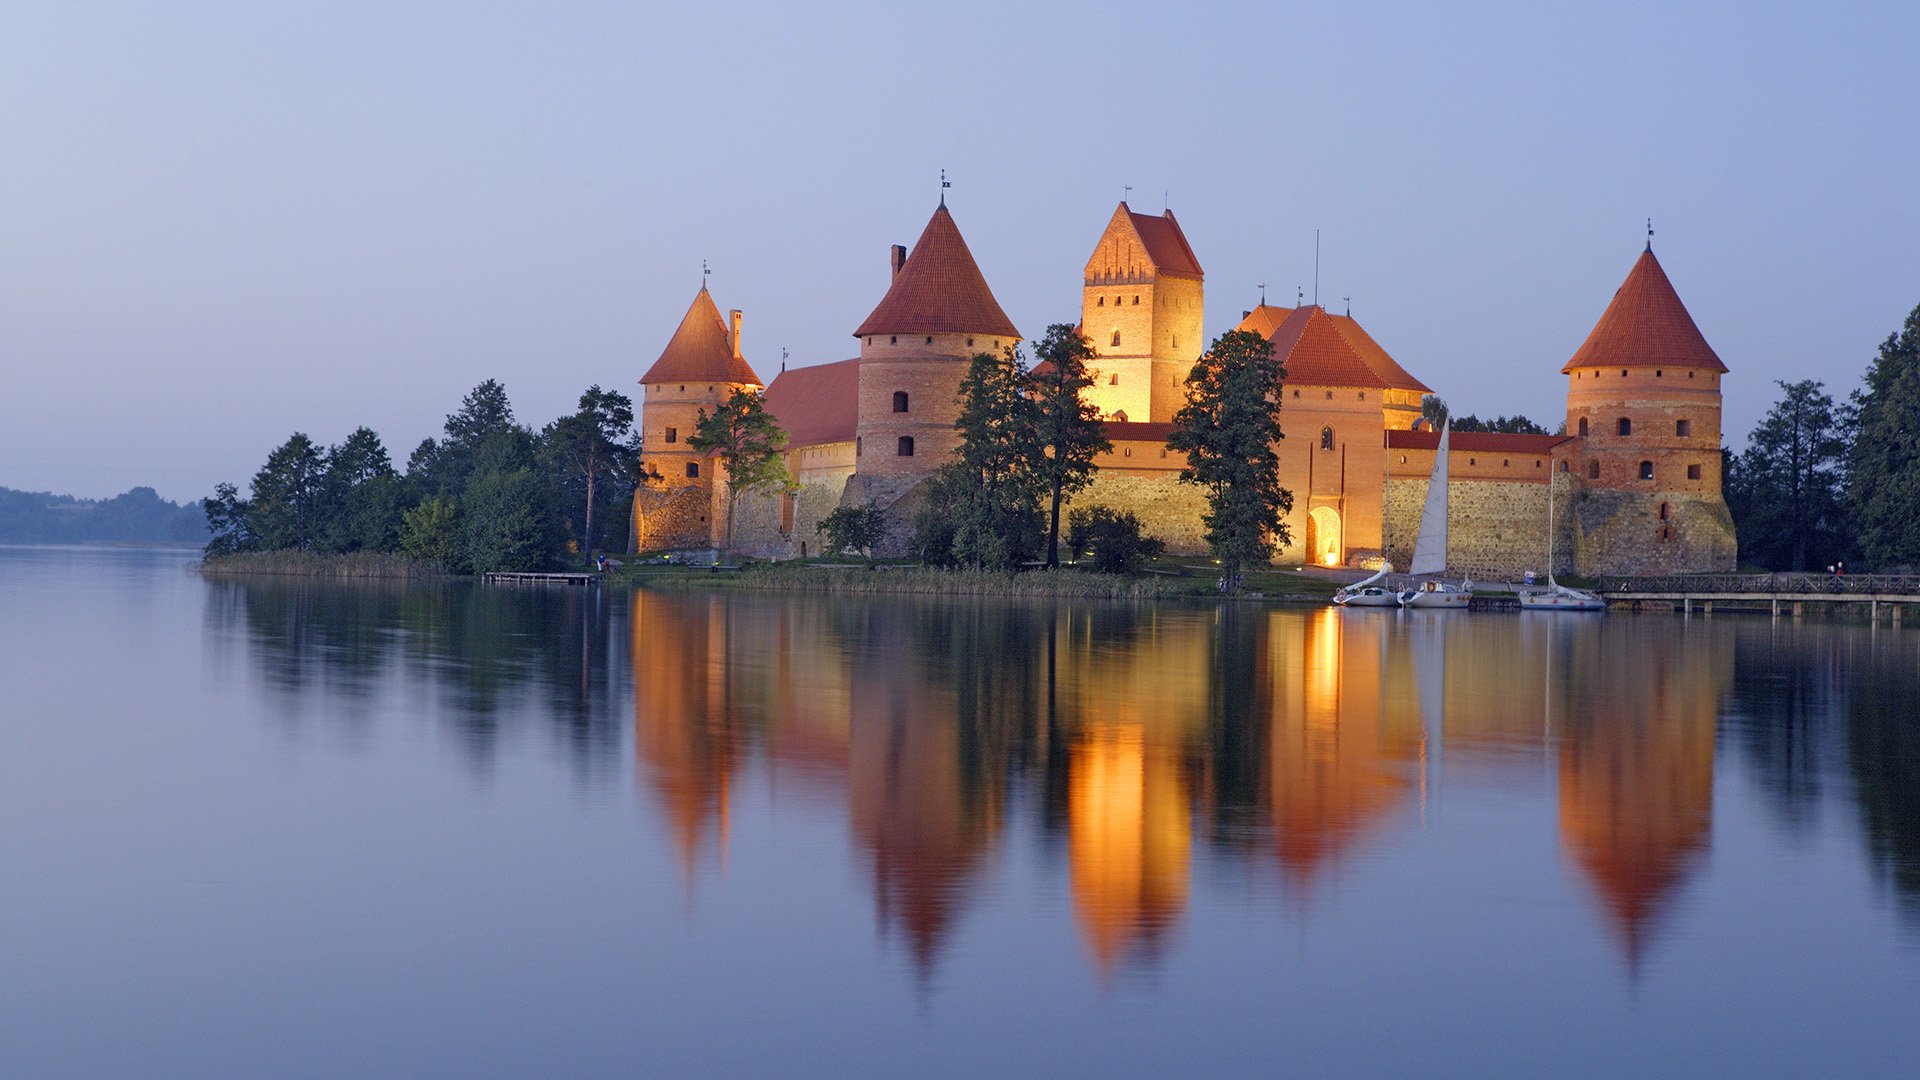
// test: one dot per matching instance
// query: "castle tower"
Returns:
(701, 367)
(1141, 306)
(1643, 398)
(914, 351)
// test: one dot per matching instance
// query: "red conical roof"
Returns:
(939, 290)
(1646, 325)
(700, 350)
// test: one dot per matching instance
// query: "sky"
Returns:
(221, 223)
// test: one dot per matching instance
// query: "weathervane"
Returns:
(704, 273)
(944, 185)
(1126, 192)
(783, 358)
(1263, 294)
(1349, 301)
(1649, 234)
(1299, 296)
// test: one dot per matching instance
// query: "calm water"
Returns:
(282, 829)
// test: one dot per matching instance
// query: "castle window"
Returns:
(1657, 373)
(1120, 417)
(1473, 461)
(1506, 463)
(1623, 373)
(1689, 374)
(1127, 452)
(1626, 426)
(1646, 470)
(1114, 379)
(1563, 467)
(1593, 470)
(1693, 472)
(906, 446)
(1583, 427)
(899, 401)
(1403, 459)
(1363, 395)
(683, 389)
(1326, 438)
(1663, 511)
(1537, 463)
(693, 470)
(1102, 302)
(893, 339)
(1136, 301)
(1329, 395)
(673, 435)
(969, 343)
(1683, 428)
(1163, 453)
(1176, 341)
(1116, 339)
(1666, 532)
(1296, 393)
(929, 339)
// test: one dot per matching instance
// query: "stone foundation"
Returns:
(1622, 533)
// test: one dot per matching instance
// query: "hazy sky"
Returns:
(221, 223)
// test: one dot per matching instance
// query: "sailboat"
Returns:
(1369, 592)
(1557, 597)
(1430, 548)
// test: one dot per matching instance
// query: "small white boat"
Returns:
(1368, 593)
(1557, 597)
(1430, 548)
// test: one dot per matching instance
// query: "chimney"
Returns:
(898, 257)
(733, 332)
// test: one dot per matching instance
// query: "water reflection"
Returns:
(1139, 744)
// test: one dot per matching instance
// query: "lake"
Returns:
(282, 828)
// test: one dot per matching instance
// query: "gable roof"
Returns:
(1646, 324)
(700, 350)
(817, 404)
(1484, 442)
(1327, 350)
(1159, 239)
(939, 291)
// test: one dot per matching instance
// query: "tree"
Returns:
(1069, 424)
(362, 498)
(1116, 539)
(1227, 429)
(854, 528)
(749, 443)
(287, 495)
(1785, 490)
(1883, 468)
(481, 437)
(1434, 411)
(227, 515)
(994, 485)
(590, 450)
(429, 532)
(506, 523)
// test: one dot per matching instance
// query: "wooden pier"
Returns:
(1779, 595)
(504, 578)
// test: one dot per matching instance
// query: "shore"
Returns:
(853, 579)
(350, 566)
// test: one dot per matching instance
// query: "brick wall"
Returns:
(1496, 529)
(1623, 533)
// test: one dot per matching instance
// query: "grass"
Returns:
(837, 576)
(357, 565)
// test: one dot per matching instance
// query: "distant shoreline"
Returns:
(849, 580)
(349, 566)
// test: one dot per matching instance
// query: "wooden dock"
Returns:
(1779, 595)
(505, 578)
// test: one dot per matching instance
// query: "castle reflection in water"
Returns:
(1289, 738)
(1146, 745)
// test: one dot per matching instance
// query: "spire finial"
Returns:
(1649, 234)
(704, 275)
(783, 359)
(1349, 301)
(944, 185)
(1263, 294)
(1299, 296)
(1126, 192)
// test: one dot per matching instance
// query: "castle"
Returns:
(1631, 487)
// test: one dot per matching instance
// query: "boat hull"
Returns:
(1368, 598)
(1555, 602)
(1437, 600)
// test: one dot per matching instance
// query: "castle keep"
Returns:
(1632, 486)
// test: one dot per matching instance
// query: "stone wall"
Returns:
(1496, 530)
(670, 516)
(1168, 509)
(1624, 533)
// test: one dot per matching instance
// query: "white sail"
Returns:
(1430, 549)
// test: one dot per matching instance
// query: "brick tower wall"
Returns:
(929, 369)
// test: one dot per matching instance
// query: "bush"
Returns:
(854, 528)
(1115, 539)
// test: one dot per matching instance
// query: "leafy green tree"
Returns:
(481, 437)
(1115, 538)
(1069, 424)
(749, 443)
(430, 532)
(506, 523)
(227, 515)
(362, 497)
(288, 496)
(1883, 468)
(1434, 411)
(1227, 429)
(854, 528)
(1785, 490)
(992, 489)
(591, 450)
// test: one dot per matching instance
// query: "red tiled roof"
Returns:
(818, 404)
(1646, 324)
(700, 351)
(939, 291)
(1485, 442)
(1166, 245)
(1136, 431)
(1327, 350)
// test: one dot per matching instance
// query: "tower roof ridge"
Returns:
(940, 290)
(1160, 238)
(701, 350)
(1645, 324)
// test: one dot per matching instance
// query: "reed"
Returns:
(930, 581)
(354, 566)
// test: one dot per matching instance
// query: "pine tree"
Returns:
(751, 446)
(1785, 491)
(1883, 469)
(1070, 428)
(285, 510)
(993, 487)
(1227, 430)
(589, 451)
